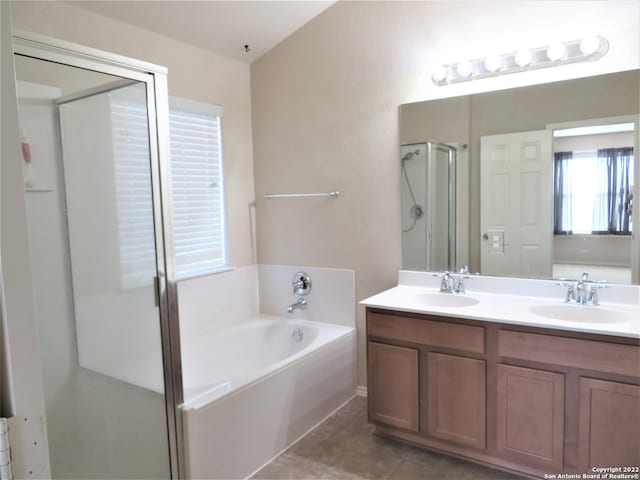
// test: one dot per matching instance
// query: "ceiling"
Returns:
(223, 27)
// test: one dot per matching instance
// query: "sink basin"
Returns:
(446, 300)
(580, 313)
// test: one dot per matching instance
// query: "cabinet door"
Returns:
(531, 416)
(456, 399)
(609, 422)
(393, 385)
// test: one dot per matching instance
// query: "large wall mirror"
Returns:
(537, 182)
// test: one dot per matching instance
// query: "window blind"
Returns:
(199, 225)
(132, 178)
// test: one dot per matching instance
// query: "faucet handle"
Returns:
(444, 283)
(593, 291)
(460, 286)
(301, 283)
(571, 289)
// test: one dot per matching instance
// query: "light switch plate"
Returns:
(496, 241)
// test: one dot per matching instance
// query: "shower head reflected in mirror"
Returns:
(410, 155)
(416, 211)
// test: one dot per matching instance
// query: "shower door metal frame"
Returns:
(451, 192)
(155, 78)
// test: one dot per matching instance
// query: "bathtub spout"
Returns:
(301, 303)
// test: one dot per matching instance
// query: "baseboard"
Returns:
(361, 391)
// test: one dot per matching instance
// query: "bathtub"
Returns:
(253, 389)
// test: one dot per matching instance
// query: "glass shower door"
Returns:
(90, 213)
(428, 199)
(441, 207)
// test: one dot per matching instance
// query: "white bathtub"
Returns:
(253, 389)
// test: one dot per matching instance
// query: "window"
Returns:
(593, 191)
(132, 179)
(199, 224)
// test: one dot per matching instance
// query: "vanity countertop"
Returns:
(623, 319)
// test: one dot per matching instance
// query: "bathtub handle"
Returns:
(301, 283)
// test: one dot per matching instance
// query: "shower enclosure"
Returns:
(94, 135)
(428, 173)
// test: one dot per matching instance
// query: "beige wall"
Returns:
(194, 73)
(604, 250)
(325, 115)
(594, 142)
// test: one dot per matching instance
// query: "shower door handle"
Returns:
(156, 290)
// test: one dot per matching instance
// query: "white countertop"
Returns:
(510, 308)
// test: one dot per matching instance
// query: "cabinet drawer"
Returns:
(570, 352)
(427, 332)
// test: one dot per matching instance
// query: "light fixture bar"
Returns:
(594, 130)
(582, 50)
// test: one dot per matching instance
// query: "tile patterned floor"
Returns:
(344, 447)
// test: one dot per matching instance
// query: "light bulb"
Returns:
(440, 74)
(464, 69)
(590, 45)
(493, 63)
(555, 52)
(524, 57)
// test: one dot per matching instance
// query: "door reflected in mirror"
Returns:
(549, 192)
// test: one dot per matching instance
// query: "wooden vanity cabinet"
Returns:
(456, 399)
(445, 361)
(394, 385)
(608, 424)
(530, 416)
(522, 399)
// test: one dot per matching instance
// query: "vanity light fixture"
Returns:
(493, 63)
(558, 53)
(439, 74)
(590, 45)
(464, 69)
(555, 52)
(523, 57)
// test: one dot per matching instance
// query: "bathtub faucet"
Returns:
(301, 303)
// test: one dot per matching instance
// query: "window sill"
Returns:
(589, 235)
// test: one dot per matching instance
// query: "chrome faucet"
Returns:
(447, 283)
(453, 283)
(463, 274)
(583, 291)
(301, 303)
